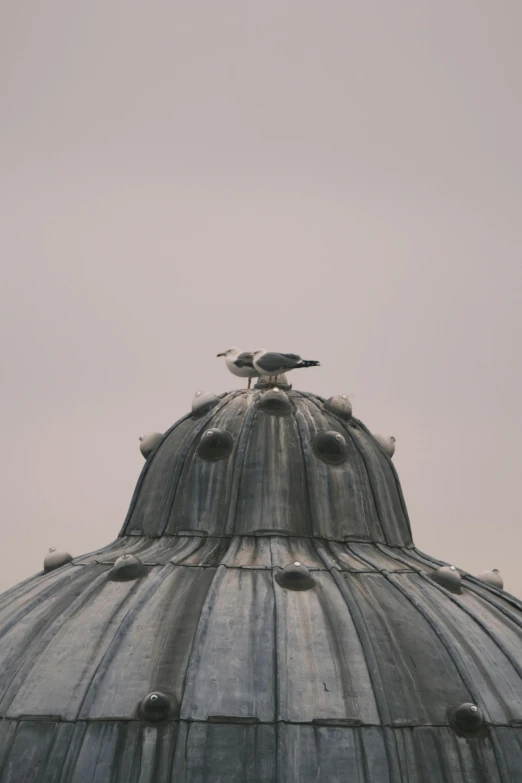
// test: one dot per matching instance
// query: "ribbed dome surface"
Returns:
(282, 627)
(273, 481)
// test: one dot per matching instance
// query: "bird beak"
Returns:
(220, 354)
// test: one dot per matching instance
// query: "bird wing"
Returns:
(270, 362)
(244, 359)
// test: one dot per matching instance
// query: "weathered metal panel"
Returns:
(203, 492)
(341, 503)
(272, 487)
(231, 670)
(384, 487)
(374, 557)
(291, 550)
(419, 676)
(58, 678)
(24, 642)
(158, 475)
(333, 754)
(222, 753)
(340, 556)
(321, 668)
(150, 649)
(248, 552)
(497, 686)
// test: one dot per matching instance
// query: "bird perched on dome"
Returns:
(240, 363)
(274, 364)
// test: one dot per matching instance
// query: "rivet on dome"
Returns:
(493, 578)
(387, 443)
(126, 567)
(295, 576)
(149, 442)
(340, 406)
(448, 577)
(275, 402)
(55, 558)
(466, 718)
(215, 444)
(156, 706)
(331, 447)
(203, 402)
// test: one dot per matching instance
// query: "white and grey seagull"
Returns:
(274, 364)
(240, 363)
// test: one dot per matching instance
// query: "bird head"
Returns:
(229, 352)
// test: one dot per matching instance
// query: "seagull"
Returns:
(274, 364)
(240, 363)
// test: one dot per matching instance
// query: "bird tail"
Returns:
(308, 363)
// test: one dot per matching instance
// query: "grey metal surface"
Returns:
(354, 679)
(273, 481)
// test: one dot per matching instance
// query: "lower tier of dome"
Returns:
(267, 658)
(211, 752)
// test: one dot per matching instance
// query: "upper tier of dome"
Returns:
(268, 462)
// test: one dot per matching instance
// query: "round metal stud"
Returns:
(203, 402)
(295, 576)
(331, 447)
(55, 558)
(387, 443)
(492, 578)
(466, 719)
(156, 706)
(149, 442)
(215, 444)
(275, 402)
(340, 406)
(126, 567)
(449, 578)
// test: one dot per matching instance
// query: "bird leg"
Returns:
(249, 382)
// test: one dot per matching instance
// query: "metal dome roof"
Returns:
(263, 616)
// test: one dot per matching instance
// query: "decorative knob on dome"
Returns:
(295, 576)
(466, 718)
(203, 402)
(492, 578)
(126, 567)
(387, 442)
(331, 447)
(156, 706)
(215, 444)
(275, 402)
(448, 577)
(56, 558)
(339, 405)
(149, 442)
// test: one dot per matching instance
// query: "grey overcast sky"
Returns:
(339, 179)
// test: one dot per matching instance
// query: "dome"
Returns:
(263, 616)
